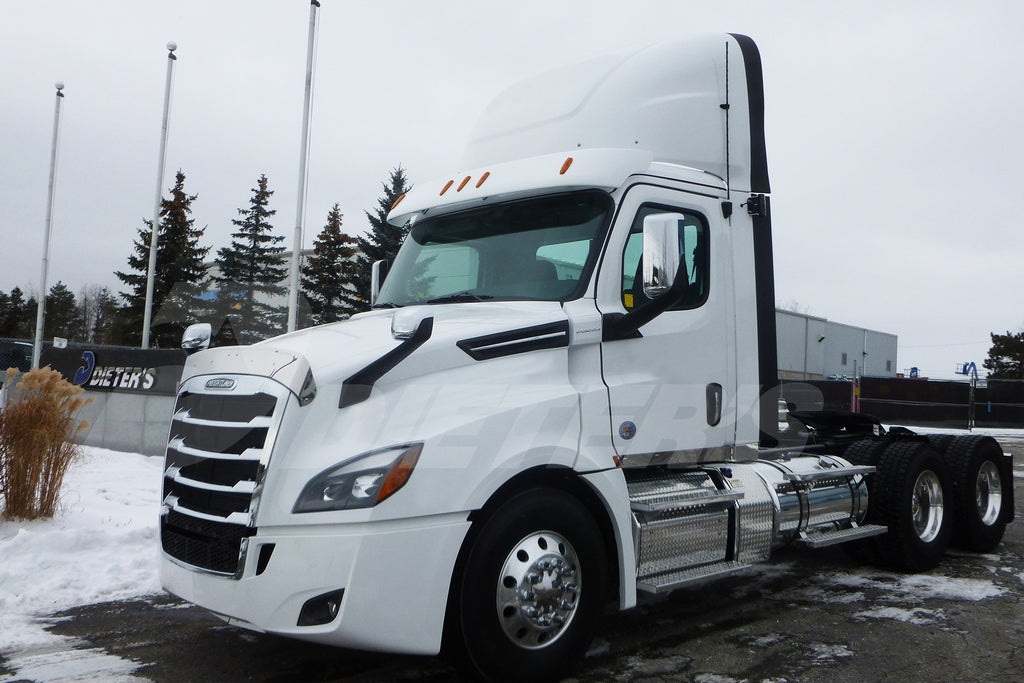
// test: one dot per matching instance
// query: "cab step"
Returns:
(663, 583)
(822, 539)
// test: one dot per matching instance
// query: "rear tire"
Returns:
(528, 598)
(910, 495)
(866, 452)
(982, 486)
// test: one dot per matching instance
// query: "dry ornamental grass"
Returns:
(37, 428)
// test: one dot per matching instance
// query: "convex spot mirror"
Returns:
(197, 337)
(662, 234)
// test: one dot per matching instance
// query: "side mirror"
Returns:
(661, 252)
(197, 337)
(377, 275)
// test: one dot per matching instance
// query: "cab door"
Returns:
(671, 389)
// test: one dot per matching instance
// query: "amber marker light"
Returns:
(446, 186)
(398, 201)
(463, 184)
(565, 166)
(400, 472)
(484, 177)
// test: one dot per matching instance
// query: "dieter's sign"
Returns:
(147, 371)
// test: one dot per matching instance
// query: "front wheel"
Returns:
(528, 597)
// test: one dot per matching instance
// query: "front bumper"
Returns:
(395, 575)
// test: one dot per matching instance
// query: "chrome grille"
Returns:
(217, 453)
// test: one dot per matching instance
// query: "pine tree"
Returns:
(1006, 356)
(59, 316)
(178, 278)
(328, 276)
(21, 315)
(5, 312)
(251, 271)
(106, 308)
(384, 239)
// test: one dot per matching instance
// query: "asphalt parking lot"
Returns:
(808, 616)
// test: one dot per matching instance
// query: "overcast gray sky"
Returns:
(893, 131)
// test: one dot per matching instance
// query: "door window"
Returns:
(694, 255)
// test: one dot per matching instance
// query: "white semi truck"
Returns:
(565, 397)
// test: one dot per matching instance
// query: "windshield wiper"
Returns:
(459, 296)
(386, 304)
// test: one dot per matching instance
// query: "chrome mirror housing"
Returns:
(661, 251)
(197, 337)
(378, 272)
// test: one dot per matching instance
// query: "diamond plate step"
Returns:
(830, 473)
(691, 489)
(822, 539)
(662, 583)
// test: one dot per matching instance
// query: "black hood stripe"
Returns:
(547, 336)
(356, 388)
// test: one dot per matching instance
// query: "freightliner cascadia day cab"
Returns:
(565, 397)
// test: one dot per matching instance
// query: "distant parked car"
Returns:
(15, 354)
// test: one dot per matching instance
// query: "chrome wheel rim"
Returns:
(988, 493)
(926, 506)
(538, 590)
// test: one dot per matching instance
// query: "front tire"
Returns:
(528, 598)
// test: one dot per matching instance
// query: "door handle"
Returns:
(713, 392)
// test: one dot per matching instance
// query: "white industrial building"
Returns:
(810, 347)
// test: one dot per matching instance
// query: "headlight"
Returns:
(360, 482)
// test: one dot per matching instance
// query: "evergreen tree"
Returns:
(178, 278)
(5, 312)
(1006, 356)
(27, 319)
(251, 271)
(384, 239)
(106, 309)
(328, 276)
(19, 320)
(60, 314)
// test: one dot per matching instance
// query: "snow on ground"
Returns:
(101, 546)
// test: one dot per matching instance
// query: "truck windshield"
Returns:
(541, 249)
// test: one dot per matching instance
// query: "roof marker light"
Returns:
(484, 177)
(566, 165)
(398, 201)
(462, 184)
(446, 186)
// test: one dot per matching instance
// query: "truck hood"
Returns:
(461, 335)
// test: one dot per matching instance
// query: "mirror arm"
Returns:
(627, 325)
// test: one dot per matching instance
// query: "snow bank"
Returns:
(102, 546)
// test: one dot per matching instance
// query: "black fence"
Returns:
(1000, 404)
(103, 368)
(920, 402)
(943, 403)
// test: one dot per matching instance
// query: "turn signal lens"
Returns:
(400, 472)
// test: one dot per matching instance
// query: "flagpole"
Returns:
(293, 290)
(37, 345)
(147, 316)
